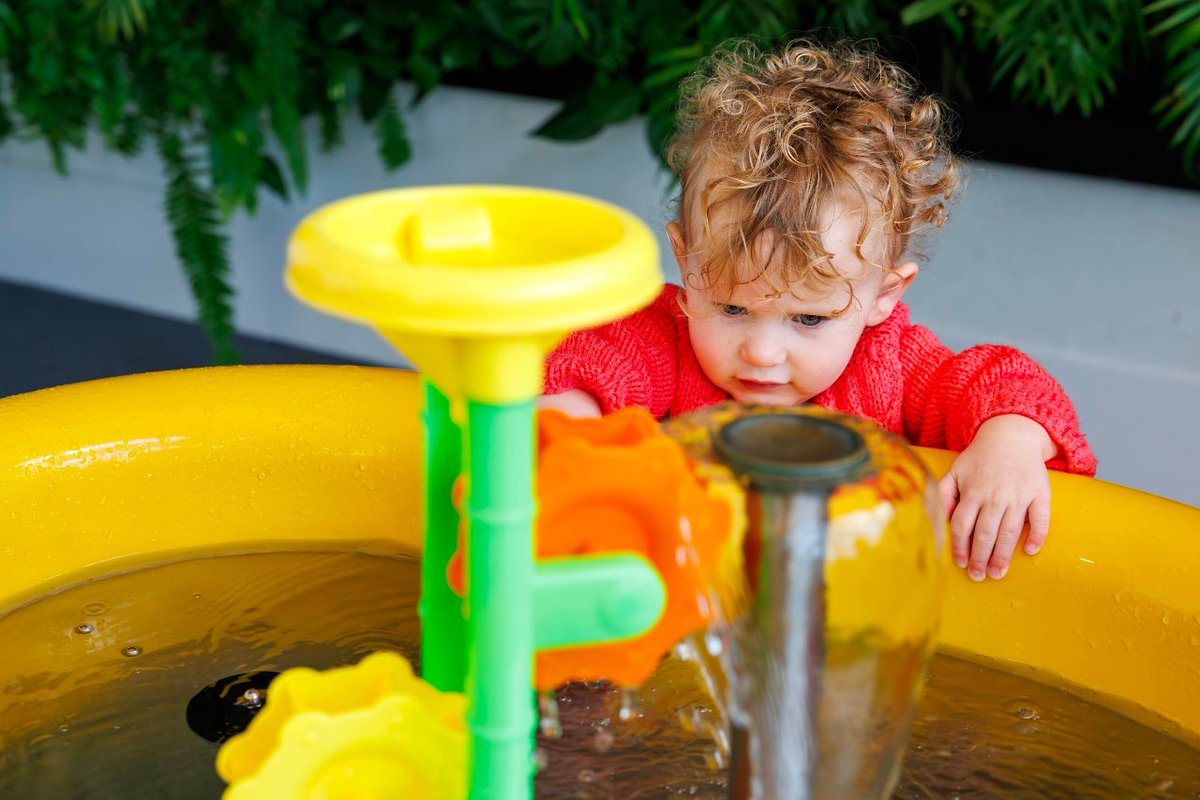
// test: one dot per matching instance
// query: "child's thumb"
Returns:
(948, 489)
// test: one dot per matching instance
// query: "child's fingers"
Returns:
(1039, 524)
(983, 540)
(1006, 542)
(961, 526)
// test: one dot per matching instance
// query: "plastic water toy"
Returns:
(845, 563)
(454, 278)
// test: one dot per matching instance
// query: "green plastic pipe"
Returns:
(500, 507)
(443, 629)
(595, 599)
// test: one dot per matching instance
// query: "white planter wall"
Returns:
(1098, 279)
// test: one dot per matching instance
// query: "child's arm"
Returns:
(1011, 420)
(630, 362)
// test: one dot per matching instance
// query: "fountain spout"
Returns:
(843, 558)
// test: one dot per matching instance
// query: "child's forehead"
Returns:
(851, 241)
(771, 295)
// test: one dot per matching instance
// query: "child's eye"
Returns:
(732, 310)
(808, 320)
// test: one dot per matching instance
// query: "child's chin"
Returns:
(765, 398)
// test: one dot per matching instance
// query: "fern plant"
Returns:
(222, 89)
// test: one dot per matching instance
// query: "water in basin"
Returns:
(98, 677)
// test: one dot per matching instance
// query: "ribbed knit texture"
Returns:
(900, 376)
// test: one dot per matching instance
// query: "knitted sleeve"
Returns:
(630, 362)
(948, 396)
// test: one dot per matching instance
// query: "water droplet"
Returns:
(714, 643)
(85, 628)
(1166, 618)
(1025, 712)
(94, 609)
(251, 698)
(64, 728)
(548, 710)
(195, 595)
(586, 775)
(603, 741)
(685, 650)
(630, 706)
(131, 651)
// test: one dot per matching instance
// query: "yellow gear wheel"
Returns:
(373, 731)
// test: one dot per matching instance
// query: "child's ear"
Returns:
(895, 283)
(678, 245)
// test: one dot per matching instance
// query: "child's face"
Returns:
(785, 350)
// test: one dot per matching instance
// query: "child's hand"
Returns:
(574, 402)
(992, 487)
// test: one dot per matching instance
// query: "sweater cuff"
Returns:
(1046, 409)
(580, 370)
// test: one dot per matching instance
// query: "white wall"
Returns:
(1097, 279)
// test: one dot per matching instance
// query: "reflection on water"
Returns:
(980, 732)
(96, 680)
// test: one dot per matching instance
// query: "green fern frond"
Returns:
(119, 18)
(1057, 53)
(9, 24)
(391, 135)
(200, 244)
(1180, 32)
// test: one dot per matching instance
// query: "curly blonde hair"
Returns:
(784, 135)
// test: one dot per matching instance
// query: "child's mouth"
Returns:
(758, 386)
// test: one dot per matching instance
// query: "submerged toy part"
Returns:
(370, 730)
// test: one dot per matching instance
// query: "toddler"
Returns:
(804, 176)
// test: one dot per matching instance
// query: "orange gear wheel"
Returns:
(617, 484)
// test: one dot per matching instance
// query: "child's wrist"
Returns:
(1014, 426)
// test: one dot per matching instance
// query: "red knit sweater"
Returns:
(900, 376)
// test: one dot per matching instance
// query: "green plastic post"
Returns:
(500, 509)
(443, 629)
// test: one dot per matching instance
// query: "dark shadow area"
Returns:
(47, 339)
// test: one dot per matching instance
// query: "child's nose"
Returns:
(762, 349)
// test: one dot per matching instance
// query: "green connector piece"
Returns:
(595, 599)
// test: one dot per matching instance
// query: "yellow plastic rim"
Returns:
(471, 261)
(101, 476)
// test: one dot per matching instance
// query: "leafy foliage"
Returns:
(223, 89)
(1179, 26)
